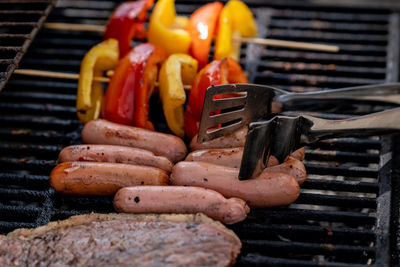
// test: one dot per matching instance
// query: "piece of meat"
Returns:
(102, 179)
(267, 190)
(231, 157)
(105, 132)
(291, 166)
(122, 240)
(114, 154)
(180, 199)
(236, 139)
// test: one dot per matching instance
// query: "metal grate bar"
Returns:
(31, 13)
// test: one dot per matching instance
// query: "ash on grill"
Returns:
(345, 215)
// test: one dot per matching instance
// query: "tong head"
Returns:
(279, 137)
(229, 107)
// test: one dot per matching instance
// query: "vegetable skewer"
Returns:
(68, 76)
(254, 40)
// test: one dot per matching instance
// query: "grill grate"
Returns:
(20, 21)
(344, 215)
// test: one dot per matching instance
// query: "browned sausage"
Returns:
(114, 154)
(105, 132)
(229, 157)
(102, 179)
(291, 166)
(236, 139)
(180, 199)
(299, 154)
(267, 190)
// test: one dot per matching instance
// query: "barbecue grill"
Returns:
(348, 211)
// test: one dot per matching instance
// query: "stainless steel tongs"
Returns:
(281, 135)
(234, 106)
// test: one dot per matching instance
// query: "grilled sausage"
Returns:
(299, 154)
(267, 190)
(102, 179)
(291, 166)
(231, 157)
(236, 139)
(105, 132)
(180, 199)
(114, 154)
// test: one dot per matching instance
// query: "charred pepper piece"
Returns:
(100, 58)
(130, 88)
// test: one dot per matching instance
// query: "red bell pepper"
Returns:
(217, 72)
(130, 88)
(126, 23)
(201, 27)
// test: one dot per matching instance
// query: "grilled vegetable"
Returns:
(217, 72)
(100, 58)
(175, 71)
(201, 27)
(235, 20)
(165, 29)
(126, 23)
(128, 93)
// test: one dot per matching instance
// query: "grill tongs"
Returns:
(281, 135)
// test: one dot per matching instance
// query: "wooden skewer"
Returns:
(260, 41)
(290, 44)
(74, 27)
(69, 76)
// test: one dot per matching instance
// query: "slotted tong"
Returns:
(228, 108)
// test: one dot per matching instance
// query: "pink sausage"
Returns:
(236, 139)
(230, 157)
(291, 166)
(102, 179)
(105, 132)
(114, 154)
(180, 199)
(267, 190)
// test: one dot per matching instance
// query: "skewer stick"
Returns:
(74, 27)
(289, 44)
(260, 41)
(68, 76)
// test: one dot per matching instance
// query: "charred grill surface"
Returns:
(345, 215)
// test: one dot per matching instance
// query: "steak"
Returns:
(122, 240)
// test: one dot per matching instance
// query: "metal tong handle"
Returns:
(387, 93)
(316, 129)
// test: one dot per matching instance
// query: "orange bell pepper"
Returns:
(201, 27)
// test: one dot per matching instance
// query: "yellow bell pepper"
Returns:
(100, 58)
(242, 18)
(177, 70)
(236, 20)
(164, 28)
